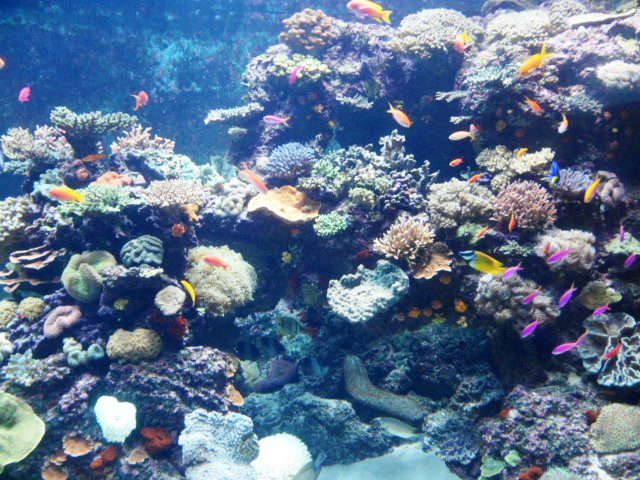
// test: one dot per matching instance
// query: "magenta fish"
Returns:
(25, 94)
(511, 271)
(531, 297)
(560, 255)
(275, 120)
(623, 234)
(631, 259)
(529, 329)
(600, 310)
(293, 78)
(566, 296)
(565, 347)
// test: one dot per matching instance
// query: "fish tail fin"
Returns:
(385, 16)
(544, 54)
(391, 108)
(285, 122)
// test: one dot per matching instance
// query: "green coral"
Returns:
(77, 356)
(491, 467)
(140, 344)
(21, 430)
(312, 69)
(82, 276)
(99, 199)
(513, 458)
(468, 232)
(8, 310)
(362, 197)
(330, 224)
(144, 250)
(597, 293)
(31, 308)
(616, 247)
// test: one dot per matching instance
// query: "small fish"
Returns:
(476, 178)
(461, 42)
(2, 63)
(559, 255)
(399, 116)
(530, 298)
(521, 152)
(293, 77)
(613, 352)
(565, 347)
(190, 290)
(25, 94)
(511, 271)
(535, 61)
(533, 105)
(482, 232)
(564, 125)
(461, 135)
(566, 296)
(311, 470)
(483, 263)
(529, 329)
(66, 194)
(631, 259)
(216, 262)
(142, 99)
(600, 310)
(365, 8)
(397, 427)
(547, 247)
(623, 234)
(554, 173)
(592, 190)
(93, 158)
(512, 222)
(275, 120)
(254, 179)
(456, 162)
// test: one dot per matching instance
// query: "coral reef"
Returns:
(289, 161)
(22, 430)
(506, 165)
(287, 204)
(281, 457)
(529, 203)
(144, 250)
(310, 30)
(60, 319)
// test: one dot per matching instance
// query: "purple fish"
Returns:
(293, 78)
(600, 310)
(531, 297)
(511, 271)
(529, 329)
(565, 347)
(275, 120)
(566, 296)
(560, 255)
(631, 259)
(623, 234)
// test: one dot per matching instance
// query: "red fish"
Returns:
(482, 232)
(456, 162)
(547, 247)
(94, 157)
(512, 222)
(535, 106)
(255, 180)
(142, 99)
(476, 178)
(613, 352)
(216, 262)
(25, 94)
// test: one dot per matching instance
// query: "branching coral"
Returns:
(330, 224)
(46, 147)
(310, 31)
(99, 199)
(528, 202)
(14, 218)
(175, 193)
(506, 166)
(233, 114)
(455, 202)
(139, 140)
(572, 183)
(281, 65)
(289, 161)
(529, 28)
(582, 253)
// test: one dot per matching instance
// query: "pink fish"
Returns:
(623, 234)
(293, 78)
(25, 94)
(566, 296)
(529, 329)
(560, 255)
(531, 297)
(600, 310)
(565, 347)
(631, 259)
(275, 120)
(511, 271)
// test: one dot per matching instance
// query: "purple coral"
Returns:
(60, 319)
(529, 202)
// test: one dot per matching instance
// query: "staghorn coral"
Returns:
(234, 114)
(430, 32)
(138, 140)
(330, 224)
(506, 167)
(529, 202)
(99, 199)
(456, 202)
(617, 429)
(140, 344)
(501, 299)
(220, 290)
(289, 161)
(310, 31)
(144, 250)
(60, 319)
(359, 386)
(175, 193)
(581, 243)
(82, 277)
(45, 148)
(287, 204)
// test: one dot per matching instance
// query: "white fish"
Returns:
(397, 427)
(564, 125)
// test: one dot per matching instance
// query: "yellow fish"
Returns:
(66, 194)
(535, 61)
(483, 262)
(521, 152)
(592, 190)
(192, 293)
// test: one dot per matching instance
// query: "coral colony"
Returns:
(324, 293)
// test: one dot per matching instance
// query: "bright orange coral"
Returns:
(178, 230)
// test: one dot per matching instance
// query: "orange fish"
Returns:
(366, 8)
(399, 116)
(456, 162)
(93, 158)
(216, 262)
(461, 42)
(521, 152)
(535, 61)
(482, 232)
(142, 99)
(255, 180)
(477, 177)
(414, 312)
(66, 194)
(2, 64)
(512, 222)
(535, 106)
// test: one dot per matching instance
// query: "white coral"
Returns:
(618, 75)
(175, 193)
(456, 202)
(529, 28)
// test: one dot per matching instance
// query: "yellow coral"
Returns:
(140, 344)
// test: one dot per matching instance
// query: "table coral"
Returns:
(582, 253)
(455, 202)
(529, 202)
(175, 193)
(287, 204)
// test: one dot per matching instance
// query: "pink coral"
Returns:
(529, 202)
(60, 319)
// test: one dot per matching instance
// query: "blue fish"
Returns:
(554, 173)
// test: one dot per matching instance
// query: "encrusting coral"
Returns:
(617, 429)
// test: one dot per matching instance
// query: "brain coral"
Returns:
(144, 250)
(617, 429)
(140, 344)
(529, 202)
(456, 202)
(60, 319)
(431, 31)
(220, 290)
(581, 243)
(82, 275)
(20, 429)
(289, 161)
(361, 296)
